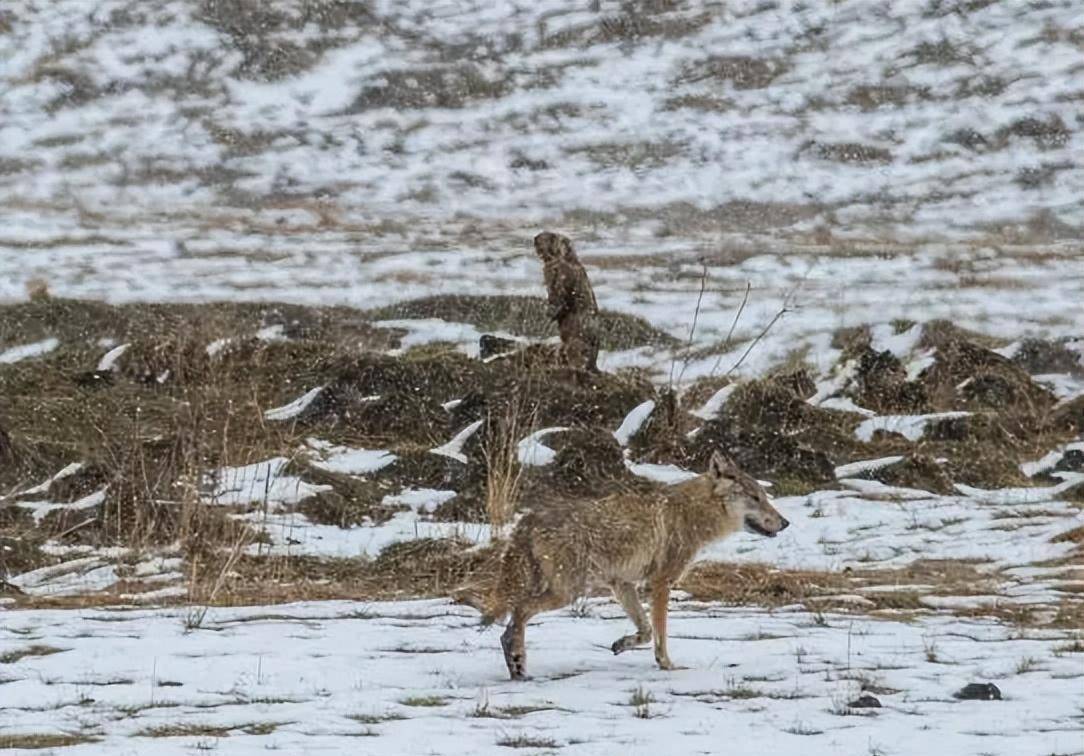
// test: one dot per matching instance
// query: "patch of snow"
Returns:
(292, 533)
(1050, 460)
(1070, 480)
(845, 404)
(633, 422)
(258, 482)
(854, 468)
(347, 460)
(39, 509)
(668, 474)
(27, 351)
(710, 409)
(883, 337)
(532, 452)
(294, 408)
(910, 427)
(275, 332)
(454, 448)
(295, 678)
(419, 499)
(109, 359)
(77, 576)
(216, 346)
(920, 363)
(71, 469)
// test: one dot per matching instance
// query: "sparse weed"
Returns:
(641, 700)
(424, 701)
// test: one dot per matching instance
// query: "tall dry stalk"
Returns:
(504, 472)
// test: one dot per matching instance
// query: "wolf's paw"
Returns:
(627, 642)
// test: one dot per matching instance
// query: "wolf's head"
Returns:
(745, 500)
(549, 246)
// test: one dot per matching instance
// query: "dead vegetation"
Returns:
(148, 430)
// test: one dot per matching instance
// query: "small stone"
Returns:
(978, 692)
(490, 346)
(864, 702)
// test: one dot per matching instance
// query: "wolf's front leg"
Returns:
(625, 593)
(660, 601)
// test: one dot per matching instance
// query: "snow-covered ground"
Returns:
(417, 677)
(852, 163)
(929, 118)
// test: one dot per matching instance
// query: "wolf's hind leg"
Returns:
(625, 593)
(513, 640)
(513, 643)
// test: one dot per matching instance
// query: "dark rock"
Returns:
(489, 345)
(978, 692)
(864, 702)
(94, 378)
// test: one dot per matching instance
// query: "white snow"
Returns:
(453, 449)
(711, 408)
(64, 472)
(347, 460)
(419, 499)
(668, 474)
(294, 408)
(1050, 459)
(910, 427)
(27, 351)
(260, 482)
(109, 359)
(633, 421)
(532, 452)
(865, 465)
(39, 509)
(313, 677)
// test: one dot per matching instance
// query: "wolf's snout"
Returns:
(784, 522)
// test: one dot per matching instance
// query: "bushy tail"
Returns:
(484, 598)
(482, 591)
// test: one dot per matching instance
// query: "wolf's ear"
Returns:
(722, 466)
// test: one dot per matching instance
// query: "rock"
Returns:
(489, 345)
(864, 702)
(978, 692)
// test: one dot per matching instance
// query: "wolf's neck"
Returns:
(697, 513)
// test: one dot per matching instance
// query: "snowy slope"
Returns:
(882, 118)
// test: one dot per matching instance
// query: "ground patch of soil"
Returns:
(915, 471)
(1039, 356)
(881, 384)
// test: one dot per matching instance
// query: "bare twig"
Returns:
(692, 332)
(733, 325)
(756, 341)
(692, 329)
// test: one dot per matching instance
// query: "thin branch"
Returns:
(692, 329)
(730, 333)
(756, 341)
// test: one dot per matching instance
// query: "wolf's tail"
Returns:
(483, 591)
(484, 597)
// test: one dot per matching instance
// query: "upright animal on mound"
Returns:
(571, 301)
(563, 551)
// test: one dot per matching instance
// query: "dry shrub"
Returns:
(506, 426)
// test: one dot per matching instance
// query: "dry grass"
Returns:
(21, 653)
(44, 741)
(504, 473)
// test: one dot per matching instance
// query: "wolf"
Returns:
(565, 550)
